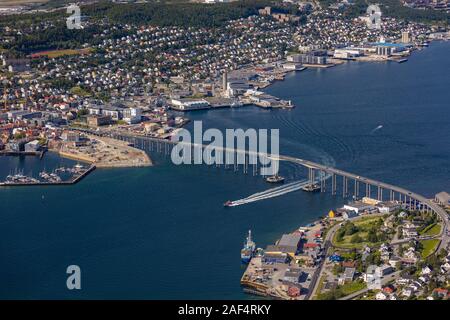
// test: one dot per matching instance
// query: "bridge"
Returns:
(384, 191)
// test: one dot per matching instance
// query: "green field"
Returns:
(429, 247)
(432, 230)
(13, 3)
(364, 224)
(352, 287)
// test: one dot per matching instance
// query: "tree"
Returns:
(356, 239)
(372, 236)
(19, 135)
(350, 229)
(82, 112)
(337, 269)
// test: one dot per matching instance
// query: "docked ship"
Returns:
(275, 179)
(249, 248)
(311, 188)
(236, 104)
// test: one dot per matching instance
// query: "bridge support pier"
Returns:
(311, 176)
(356, 193)
(333, 184)
(322, 181)
(345, 187)
(368, 191)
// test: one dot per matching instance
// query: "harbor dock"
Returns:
(82, 173)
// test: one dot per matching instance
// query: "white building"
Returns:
(388, 207)
(358, 207)
(132, 115)
(189, 104)
(381, 296)
(347, 53)
(383, 270)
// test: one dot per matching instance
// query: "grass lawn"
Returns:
(363, 224)
(319, 287)
(352, 287)
(428, 247)
(60, 53)
(13, 3)
(432, 230)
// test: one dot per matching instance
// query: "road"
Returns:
(318, 274)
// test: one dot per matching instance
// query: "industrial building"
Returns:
(318, 57)
(359, 207)
(288, 244)
(117, 112)
(32, 146)
(189, 104)
(293, 275)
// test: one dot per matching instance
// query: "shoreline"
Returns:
(102, 158)
(334, 62)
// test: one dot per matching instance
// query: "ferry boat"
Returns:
(248, 250)
(275, 179)
(311, 188)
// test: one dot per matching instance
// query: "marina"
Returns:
(77, 173)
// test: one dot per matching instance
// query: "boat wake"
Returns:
(274, 192)
(376, 129)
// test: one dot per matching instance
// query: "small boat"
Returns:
(228, 203)
(311, 188)
(275, 179)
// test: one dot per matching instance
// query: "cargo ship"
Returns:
(248, 250)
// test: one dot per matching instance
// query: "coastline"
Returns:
(334, 62)
(130, 156)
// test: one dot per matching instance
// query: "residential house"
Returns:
(347, 276)
(384, 270)
(409, 230)
(426, 270)
(381, 296)
(408, 292)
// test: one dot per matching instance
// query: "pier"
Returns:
(73, 180)
(39, 154)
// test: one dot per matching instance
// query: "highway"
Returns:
(317, 275)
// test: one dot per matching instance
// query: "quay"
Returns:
(40, 154)
(73, 180)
